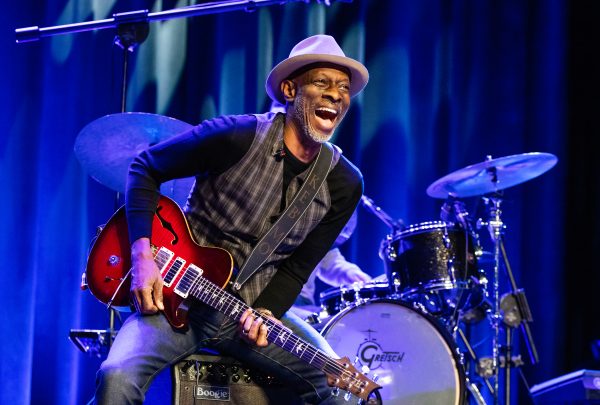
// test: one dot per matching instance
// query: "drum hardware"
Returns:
(381, 214)
(395, 283)
(488, 179)
(337, 299)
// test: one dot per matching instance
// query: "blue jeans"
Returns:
(147, 344)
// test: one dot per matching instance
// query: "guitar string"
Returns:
(330, 364)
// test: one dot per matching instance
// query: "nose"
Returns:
(333, 94)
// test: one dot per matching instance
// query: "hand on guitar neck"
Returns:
(253, 329)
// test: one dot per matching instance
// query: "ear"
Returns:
(288, 89)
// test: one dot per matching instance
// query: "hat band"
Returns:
(316, 65)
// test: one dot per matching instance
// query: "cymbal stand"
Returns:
(516, 311)
(370, 205)
(495, 227)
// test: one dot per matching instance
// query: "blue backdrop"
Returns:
(452, 81)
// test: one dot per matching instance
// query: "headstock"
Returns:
(346, 377)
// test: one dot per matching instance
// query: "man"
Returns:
(247, 170)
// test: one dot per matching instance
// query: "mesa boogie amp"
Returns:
(202, 379)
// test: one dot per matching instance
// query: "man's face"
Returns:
(321, 102)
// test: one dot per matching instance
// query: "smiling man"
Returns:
(248, 169)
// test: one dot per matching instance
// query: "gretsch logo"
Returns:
(372, 355)
(212, 393)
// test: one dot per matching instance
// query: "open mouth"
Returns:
(326, 113)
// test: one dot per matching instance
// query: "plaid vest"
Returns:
(233, 210)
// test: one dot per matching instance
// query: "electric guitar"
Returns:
(200, 272)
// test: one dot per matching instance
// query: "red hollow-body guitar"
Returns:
(191, 271)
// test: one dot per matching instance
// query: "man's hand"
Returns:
(146, 282)
(351, 273)
(253, 330)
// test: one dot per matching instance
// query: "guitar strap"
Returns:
(292, 214)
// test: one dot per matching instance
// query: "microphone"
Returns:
(453, 210)
(280, 153)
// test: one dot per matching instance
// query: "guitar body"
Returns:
(109, 261)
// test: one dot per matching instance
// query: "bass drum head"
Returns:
(414, 358)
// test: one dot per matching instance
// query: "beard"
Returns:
(301, 115)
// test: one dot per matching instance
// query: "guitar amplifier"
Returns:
(577, 388)
(202, 379)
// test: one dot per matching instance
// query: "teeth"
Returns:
(330, 110)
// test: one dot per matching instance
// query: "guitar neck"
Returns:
(219, 299)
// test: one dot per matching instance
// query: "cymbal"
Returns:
(492, 175)
(106, 146)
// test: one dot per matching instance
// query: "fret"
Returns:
(319, 361)
(236, 309)
(282, 337)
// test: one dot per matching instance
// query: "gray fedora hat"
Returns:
(316, 49)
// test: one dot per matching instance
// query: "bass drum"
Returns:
(415, 359)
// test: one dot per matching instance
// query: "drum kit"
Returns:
(407, 325)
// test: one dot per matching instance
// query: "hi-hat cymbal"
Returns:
(492, 175)
(107, 145)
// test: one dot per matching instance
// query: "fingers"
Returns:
(157, 294)
(143, 301)
(252, 329)
(148, 299)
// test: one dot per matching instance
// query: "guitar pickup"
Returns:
(173, 271)
(191, 274)
(162, 258)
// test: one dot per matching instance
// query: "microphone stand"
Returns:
(34, 33)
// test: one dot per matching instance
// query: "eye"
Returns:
(320, 82)
(344, 87)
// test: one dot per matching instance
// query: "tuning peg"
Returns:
(347, 396)
(335, 392)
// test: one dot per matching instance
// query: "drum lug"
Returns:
(446, 239)
(420, 307)
(451, 271)
(390, 251)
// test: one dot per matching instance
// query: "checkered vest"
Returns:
(233, 210)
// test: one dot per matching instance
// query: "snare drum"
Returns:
(433, 263)
(415, 359)
(337, 299)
